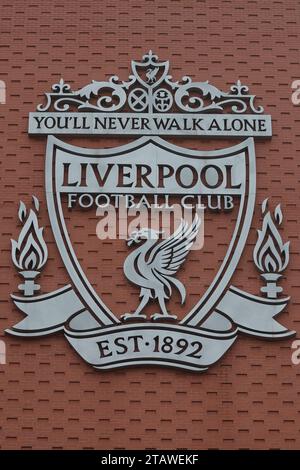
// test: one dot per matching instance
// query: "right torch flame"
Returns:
(270, 254)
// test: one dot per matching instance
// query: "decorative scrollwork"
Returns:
(197, 103)
(240, 92)
(108, 91)
(61, 87)
(150, 89)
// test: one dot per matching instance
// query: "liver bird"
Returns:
(153, 265)
(151, 75)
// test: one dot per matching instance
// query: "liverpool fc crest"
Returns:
(160, 205)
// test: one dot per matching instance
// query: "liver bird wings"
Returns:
(167, 256)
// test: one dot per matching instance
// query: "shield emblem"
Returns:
(107, 313)
(150, 72)
(156, 152)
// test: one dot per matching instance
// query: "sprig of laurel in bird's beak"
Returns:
(134, 237)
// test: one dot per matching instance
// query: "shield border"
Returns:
(214, 293)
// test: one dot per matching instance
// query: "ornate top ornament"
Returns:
(150, 89)
(150, 102)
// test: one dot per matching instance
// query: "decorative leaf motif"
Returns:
(87, 90)
(212, 91)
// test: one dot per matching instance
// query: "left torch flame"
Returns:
(29, 252)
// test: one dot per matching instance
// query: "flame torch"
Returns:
(29, 253)
(271, 255)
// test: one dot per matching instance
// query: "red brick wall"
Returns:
(49, 398)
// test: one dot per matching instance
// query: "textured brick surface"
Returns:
(49, 398)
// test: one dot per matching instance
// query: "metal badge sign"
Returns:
(150, 103)
(147, 170)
